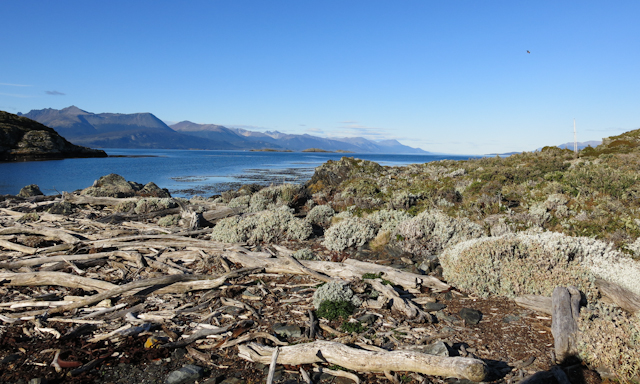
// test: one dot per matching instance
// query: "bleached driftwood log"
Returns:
(622, 297)
(535, 302)
(564, 322)
(55, 278)
(92, 200)
(349, 269)
(17, 247)
(367, 361)
(55, 233)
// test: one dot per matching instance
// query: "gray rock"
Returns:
(510, 318)
(287, 330)
(429, 264)
(39, 380)
(433, 307)
(470, 316)
(187, 374)
(368, 319)
(152, 190)
(61, 208)
(30, 190)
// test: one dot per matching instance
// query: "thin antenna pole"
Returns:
(575, 137)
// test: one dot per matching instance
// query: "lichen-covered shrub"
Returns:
(274, 196)
(610, 338)
(153, 204)
(240, 202)
(512, 265)
(431, 231)
(304, 254)
(535, 263)
(335, 291)
(265, 226)
(388, 220)
(352, 231)
(169, 220)
(320, 215)
(232, 230)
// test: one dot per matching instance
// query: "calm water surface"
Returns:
(183, 172)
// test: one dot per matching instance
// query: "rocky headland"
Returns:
(22, 139)
(520, 269)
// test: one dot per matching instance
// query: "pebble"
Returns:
(368, 319)
(187, 374)
(470, 316)
(287, 330)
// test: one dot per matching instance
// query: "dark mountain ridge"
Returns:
(144, 130)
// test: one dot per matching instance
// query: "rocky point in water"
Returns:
(22, 139)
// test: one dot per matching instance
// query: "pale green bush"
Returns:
(266, 226)
(240, 202)
(431, 231)
(169, 220)
(320, 215)
(274, 196)
(610, 338)
(153, 204)
(535, 263)
(388, 220)
(304, 254)
(353, 231)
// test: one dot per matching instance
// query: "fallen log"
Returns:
(17, 247)
(55, 278)
(56, 233)
(347, 270)
(92, 200)
(535, 302)
(622, 297)
(367, 361)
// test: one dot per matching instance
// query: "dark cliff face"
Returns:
(22, 139)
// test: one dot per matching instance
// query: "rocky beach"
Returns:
(522, 269)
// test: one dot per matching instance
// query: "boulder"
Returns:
(30, 190)
(114, 185)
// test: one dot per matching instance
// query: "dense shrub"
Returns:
(320, 215)
(352, 231)
(431, 231)
(266, 226)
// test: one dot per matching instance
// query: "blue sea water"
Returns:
(185, 173)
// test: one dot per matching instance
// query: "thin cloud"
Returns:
(348, 122)
(54, 93)
(315, 130)
(14, 95)
(15, 85)
(354, 129)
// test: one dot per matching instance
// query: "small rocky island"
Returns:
(22, 139)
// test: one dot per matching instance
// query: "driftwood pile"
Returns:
(139, 276)
(179, 289)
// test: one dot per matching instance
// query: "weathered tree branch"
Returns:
(367, 361)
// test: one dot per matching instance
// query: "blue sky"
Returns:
(445, 76)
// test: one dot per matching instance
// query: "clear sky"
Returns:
(446, 76)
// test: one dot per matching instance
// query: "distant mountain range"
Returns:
(144, 130)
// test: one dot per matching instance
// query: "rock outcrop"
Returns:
(22, 139)
(113, 185)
